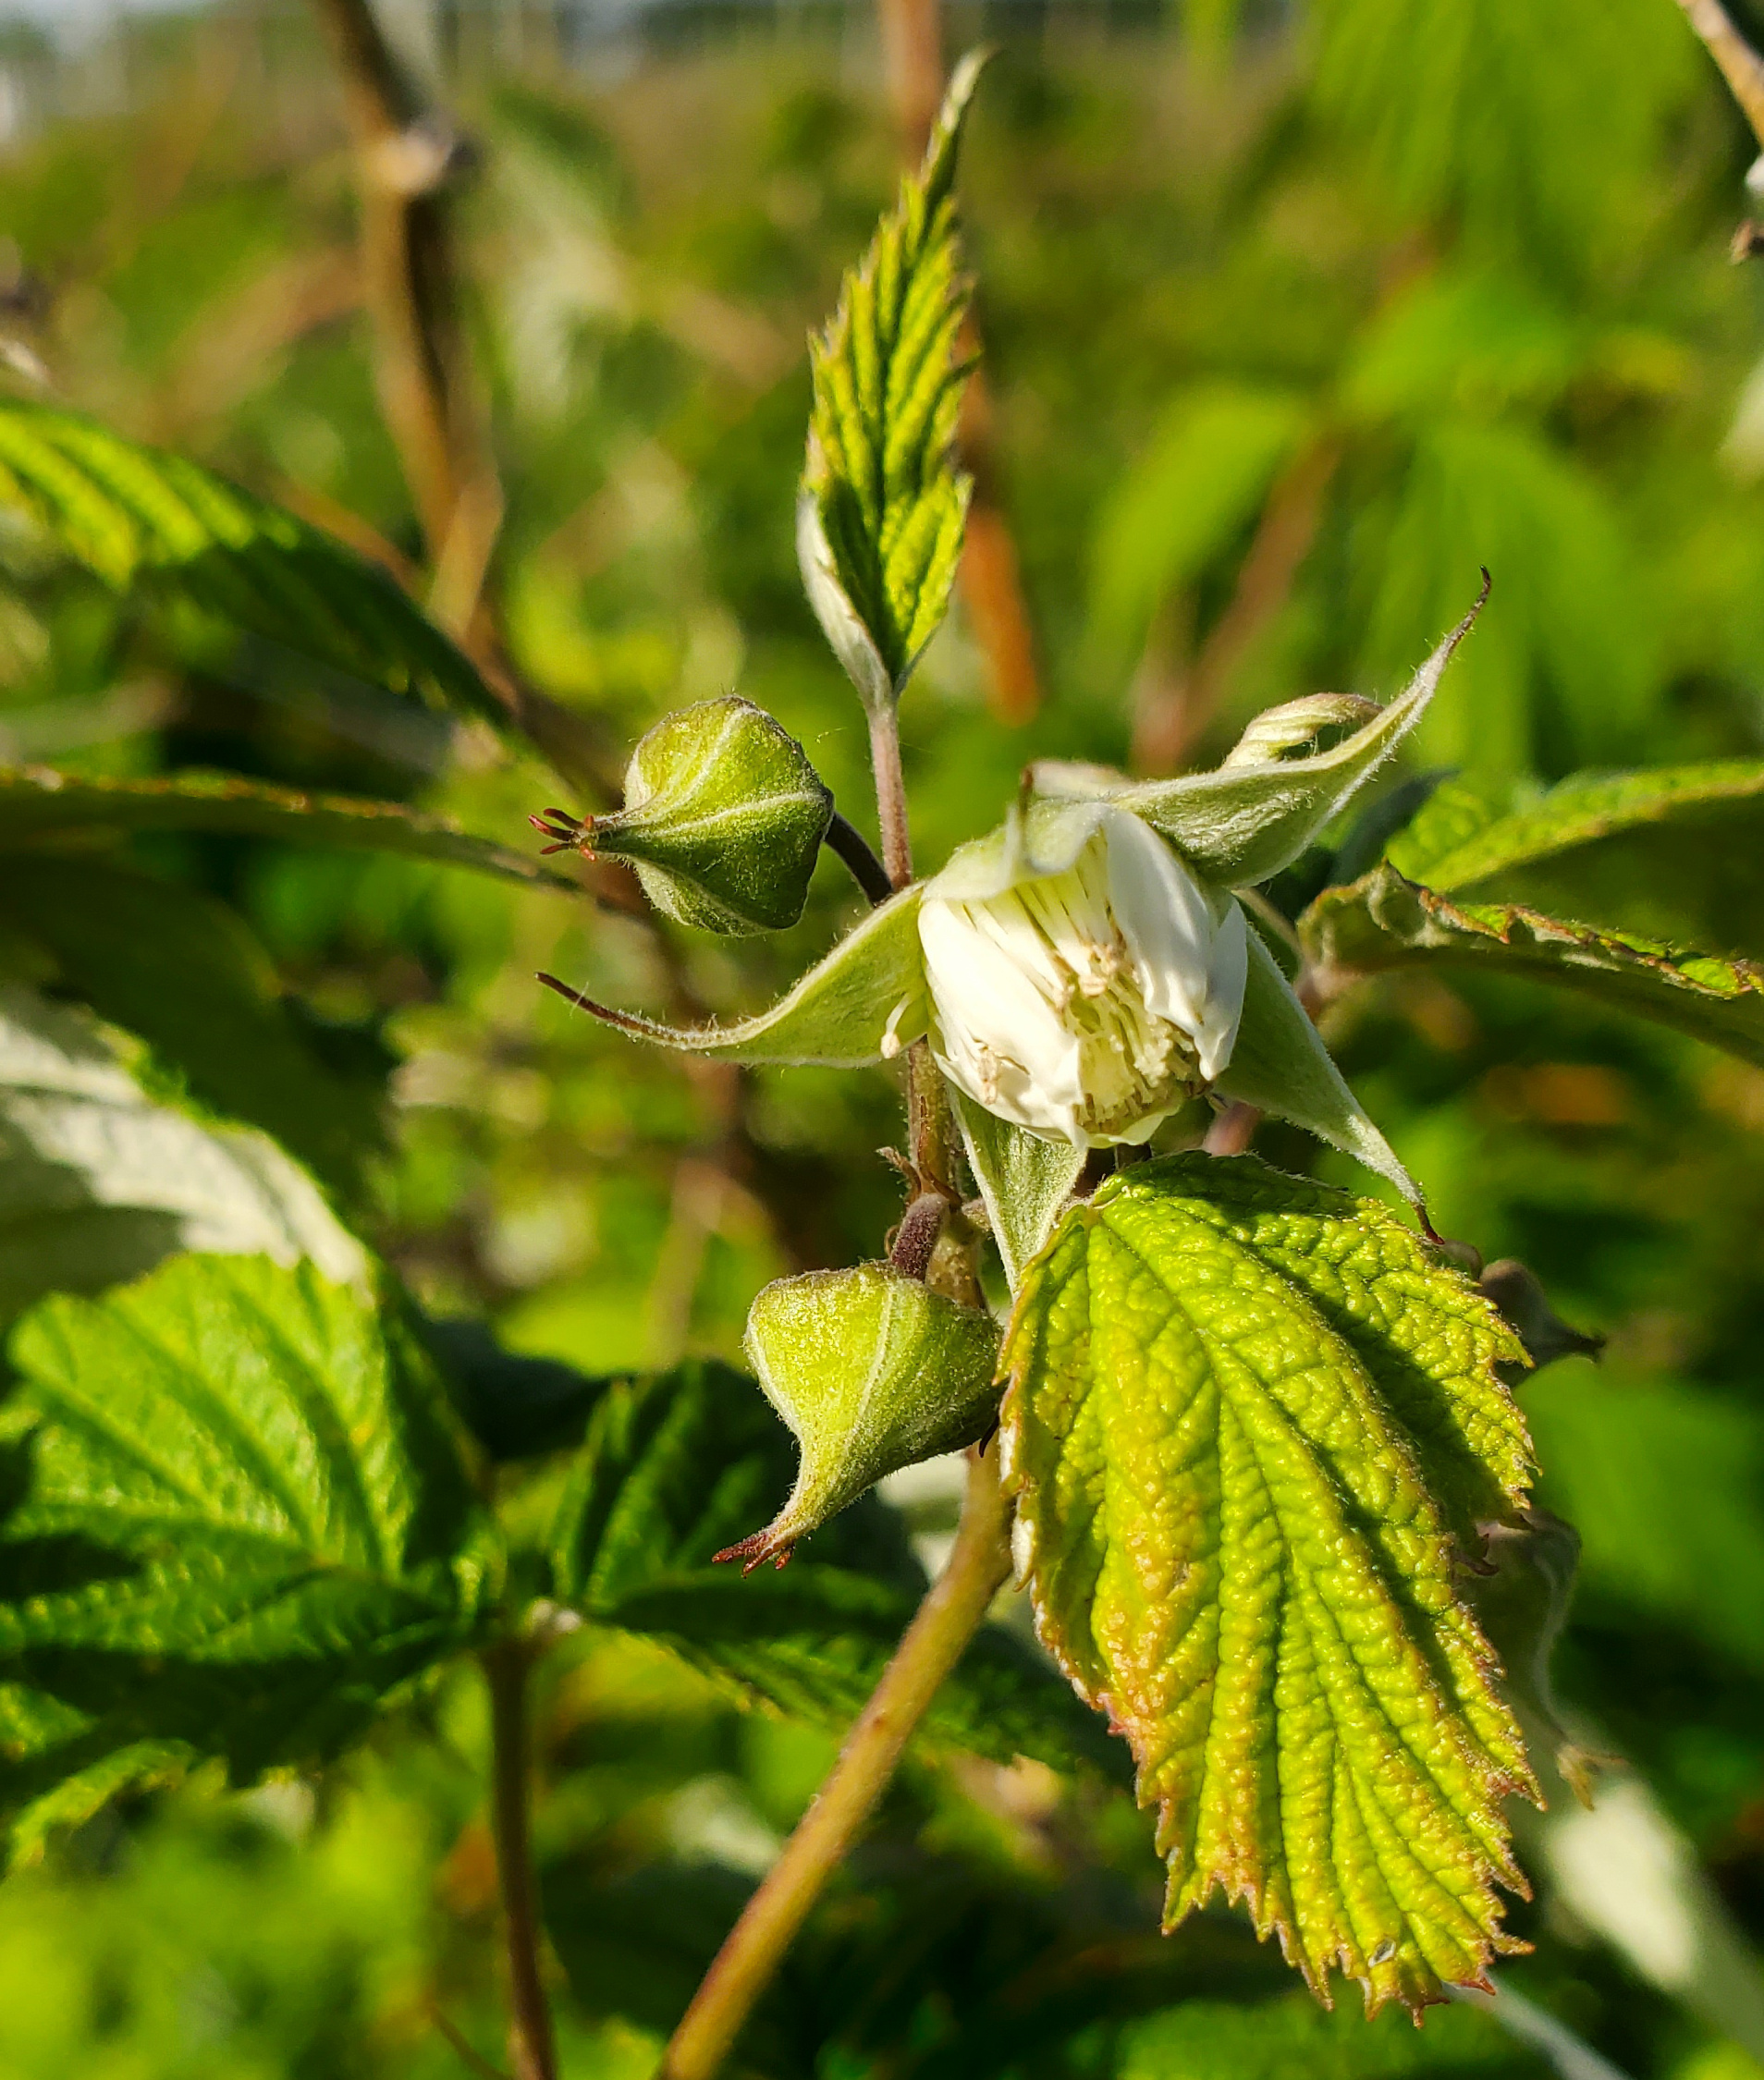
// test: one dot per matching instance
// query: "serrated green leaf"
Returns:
(883, 506)
(677, 1468)
(241, 1518)
(182, 972)
(1385, 922)
(138, 517)
(39, 805)
(1239, 825)
(1460, 836)
(99, 1180)
(863, 1003)
(1253, 1425)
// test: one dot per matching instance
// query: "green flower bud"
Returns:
(872, 1371)
(722, 821)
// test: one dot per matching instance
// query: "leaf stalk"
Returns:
(946, 1622)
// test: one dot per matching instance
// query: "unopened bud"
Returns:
(722, 820)
(872, 1371)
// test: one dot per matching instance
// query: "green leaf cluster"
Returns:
(238, 1515)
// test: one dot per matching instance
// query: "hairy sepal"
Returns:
(1253, 1426)
(863, 1003)
(1025, 1180)
(1281, 1066)
(1243, 821)
(871, 1371)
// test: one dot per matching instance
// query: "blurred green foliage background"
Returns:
(1292, 318)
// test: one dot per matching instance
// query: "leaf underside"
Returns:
(1386, 922)
(1254, 1423)
(881, 473)
(137, 516)
(238, 1518)
(675, 1468)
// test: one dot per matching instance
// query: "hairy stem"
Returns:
(531, 2048)
(946, 1621)
(890, 792)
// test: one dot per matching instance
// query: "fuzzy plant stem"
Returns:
(532, 2050)
(946, 1621)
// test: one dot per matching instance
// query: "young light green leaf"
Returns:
(1240, 824)
(242, 1517)
(880, 515)
(863, 1003)
(1253, 1426)
(1025, 1180)
(1460, 836)
(39, 804)
(1386, 922)
(723, 819)
(871, 1371)
(99, 1183)
(677, 1467)
(183, 972)
(140, 517)
(1281, 1066)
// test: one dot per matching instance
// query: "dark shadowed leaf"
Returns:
(237, 1516)
(678, 1467)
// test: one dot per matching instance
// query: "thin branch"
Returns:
(467, 2050)
(1741, 66)
(890, 793)
(1173, 715)
(947, 1618)
(531, 2048)
(867, 871)
(405, 156)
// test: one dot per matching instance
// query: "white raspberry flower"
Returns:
(1086, 998)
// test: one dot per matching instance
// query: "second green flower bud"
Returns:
(872, 1371)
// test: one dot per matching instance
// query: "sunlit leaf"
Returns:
(99, 1180)
(182, 972)
(883, 506)
(139, 515)
(1254, 1423)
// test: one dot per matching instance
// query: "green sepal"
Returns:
(1242, 823)
(723, 819)
(1025, 1180)
(1280, 1065)
(1253, 1427)
(872, 1371)
(1385, 922)
(862, 1004)
(882, 508)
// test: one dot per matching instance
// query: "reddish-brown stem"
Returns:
(531, 2048)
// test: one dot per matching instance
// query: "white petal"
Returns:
(1003, 1042)
(1165, 919)
(1226, 980)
